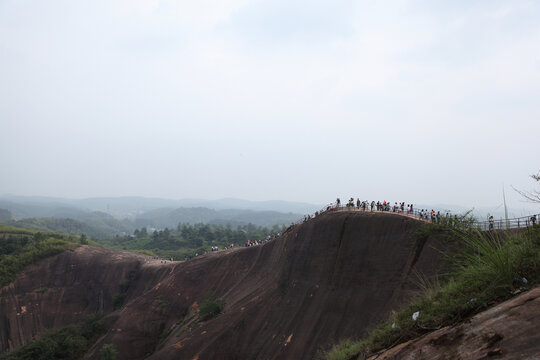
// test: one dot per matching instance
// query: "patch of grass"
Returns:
(118, 301)
(347, 349)
(159, 304)
(165, 333)
(184, 322)
(488, 268)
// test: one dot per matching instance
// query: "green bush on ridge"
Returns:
(488, 269)
(22, 248)
(210, 307)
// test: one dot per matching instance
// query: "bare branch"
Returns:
(533, 195)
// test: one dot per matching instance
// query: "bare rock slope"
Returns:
(330, 278)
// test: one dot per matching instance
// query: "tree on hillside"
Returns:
(533, 195)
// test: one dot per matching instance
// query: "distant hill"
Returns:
(5, 215)
(95, 225)
(79, 217)
(132, 206)
(170, 218)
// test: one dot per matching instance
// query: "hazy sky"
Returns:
(425, 101)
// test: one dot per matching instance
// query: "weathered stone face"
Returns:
(325, 280)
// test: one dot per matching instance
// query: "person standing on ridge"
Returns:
(338, 202)
(491, 222)
(358, 203)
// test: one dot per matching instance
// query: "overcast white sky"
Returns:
(424, 101)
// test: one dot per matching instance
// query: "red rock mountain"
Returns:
(327, 279)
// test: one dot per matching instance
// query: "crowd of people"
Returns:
(401, 208)
(376, 206)
(161, 260)
(271, 237)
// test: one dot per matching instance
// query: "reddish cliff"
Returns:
(327, 279)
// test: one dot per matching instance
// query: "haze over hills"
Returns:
(130, 206)
(106, 217)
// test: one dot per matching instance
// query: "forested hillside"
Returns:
(187, 240)
(22, 247)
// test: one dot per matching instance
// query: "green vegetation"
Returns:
(108, 352)
(165, 333)
(159, 304)
(118, 299)
(187, 240)
(210, 307)
(70, 342)
(490, 267)
(95, 225)
(22, 247)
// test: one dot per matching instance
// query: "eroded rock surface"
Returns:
(330, 278)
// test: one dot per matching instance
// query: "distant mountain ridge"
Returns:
(130, 206)
(127, 214)
(162, 218)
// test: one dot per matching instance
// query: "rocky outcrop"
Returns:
(330, 278)
(65, 288)
(510, 330)
(327, 279)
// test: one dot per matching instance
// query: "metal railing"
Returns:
(442, 218)
(505, 224)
